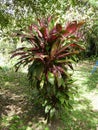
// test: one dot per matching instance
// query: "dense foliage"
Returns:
(20, 11)
(17, 14)
(52, 51)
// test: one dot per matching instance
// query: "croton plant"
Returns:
(48, 58)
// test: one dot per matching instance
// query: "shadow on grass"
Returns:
(19, 112)
(82, 117)
(16, 107)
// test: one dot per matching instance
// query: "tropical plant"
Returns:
(51, 53)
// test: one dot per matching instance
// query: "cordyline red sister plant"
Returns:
(48, 57)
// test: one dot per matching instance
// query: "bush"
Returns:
(52, 51)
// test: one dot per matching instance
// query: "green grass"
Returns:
(15, 94)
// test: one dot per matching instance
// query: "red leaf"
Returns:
(29, 38)
(32, 41)
(42, 22)
(61, 69)
(35, 27)
(30, 27)
(18, 49)
(54, 70)
(49, 19)
(17, 65)
(24, 57)
(53, 31)
(73, 45)
(45, 33)
(33, 49)
(62, 49)
(65, 54)
(77, 46)
(40, 56)
(58, 27)
(52, 38)
(73, 27)
(17, 54)
(58, 69)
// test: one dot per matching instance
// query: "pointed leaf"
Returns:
(67, 54)
(54, 49)
(53, 31)
(65, 61)
(18, 49)
(40, 56)
(43, 22)
(24, 56)
(51, 78)
(70, 65)
(49, 19)
(45, 32)
(77, 46)
(61, 69)
(59, 79)
(18, 54)
(72, 27)
(63, 49)
(53, 37)
(73, 45)
(58, 27)
(36, 70)
(35, 27)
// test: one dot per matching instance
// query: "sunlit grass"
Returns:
(84, 115)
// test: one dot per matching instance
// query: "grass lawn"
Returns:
(18, 112)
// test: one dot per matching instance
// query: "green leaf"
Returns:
(60, 80)
(65, 61)
(0, 68)
(46, 128)
(61, 97)
(51, 78)
(34, 82)
(47, 108)
(73, 2)
(42, 84)
(71, 81)
(62, 100)
(36, 70)
(52, 111)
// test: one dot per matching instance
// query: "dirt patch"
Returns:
(10, 103)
